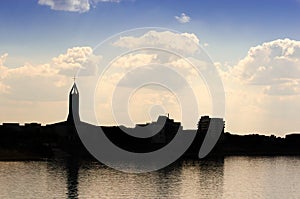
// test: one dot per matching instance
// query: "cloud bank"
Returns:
(184, 43)
(42, 82)
(275, 65)
(263, 88)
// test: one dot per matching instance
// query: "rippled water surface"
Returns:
(232, 177)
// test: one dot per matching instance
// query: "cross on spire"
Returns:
(74, 78)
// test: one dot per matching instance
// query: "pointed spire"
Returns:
(74, 89)
(73, 104)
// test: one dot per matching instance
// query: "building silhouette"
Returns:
(73, 115)
(61, 140)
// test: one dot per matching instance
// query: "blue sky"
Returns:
(254, 44)
(32, 32)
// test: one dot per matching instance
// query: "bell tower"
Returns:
(73, 105)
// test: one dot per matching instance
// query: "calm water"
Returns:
(233, 177)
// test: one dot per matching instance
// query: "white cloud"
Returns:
(183, 18)
(133, 69)
(274, 65)
(134, 60)
(263, 89)
(184, 43)
(80, 6)
(47, 81)
(75, 58)
(67, 5)
(156, 64)
(26, 89)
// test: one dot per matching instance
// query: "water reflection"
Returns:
(211, 178)
(166, 180)
(66, 172)
(72, 167)
(180, 180)
(202, 179)
(234, 177)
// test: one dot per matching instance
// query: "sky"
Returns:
(252, 46)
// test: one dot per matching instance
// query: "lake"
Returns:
(231, 177)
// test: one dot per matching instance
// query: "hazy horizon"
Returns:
(254, 46)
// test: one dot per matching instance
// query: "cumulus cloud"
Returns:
(184, 43)
(274, 65)
(47, 81)
(76, 58)
(262, 89)
(183, 18)
(156, 63)
(155, 74)
(80, 6)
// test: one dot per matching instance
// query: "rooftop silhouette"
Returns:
(60, 140)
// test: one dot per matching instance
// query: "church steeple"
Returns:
(73, 105)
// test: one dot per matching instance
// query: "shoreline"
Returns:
(45, 159)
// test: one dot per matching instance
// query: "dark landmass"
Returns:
(61, 140)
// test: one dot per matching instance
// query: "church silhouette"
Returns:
(73, 115)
